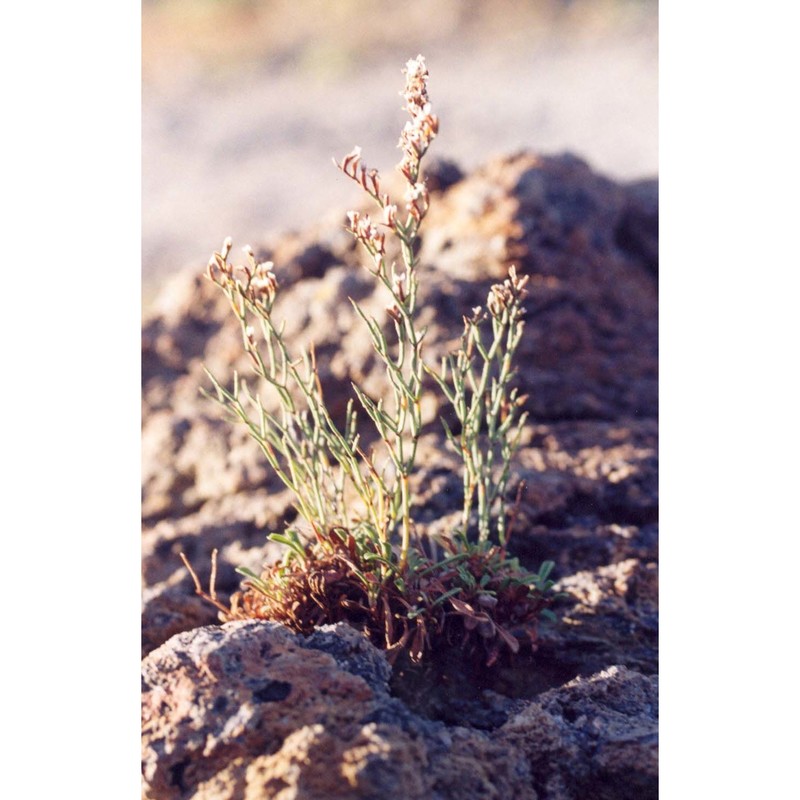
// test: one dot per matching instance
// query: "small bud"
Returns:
(350, 162)
(400, 286)
(394, 312)
(263, 269)
(374, 179)
(390, 216)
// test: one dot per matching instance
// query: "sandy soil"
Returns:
(238, 138)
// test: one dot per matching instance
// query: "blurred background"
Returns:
(245, 102)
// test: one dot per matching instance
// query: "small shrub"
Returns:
(363, 564)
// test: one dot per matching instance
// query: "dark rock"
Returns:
(610, 615)
(595, 737)
(637, 231)
(441, 174)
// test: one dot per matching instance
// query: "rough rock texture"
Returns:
(595, 737)
(588, 469)
(249, 710)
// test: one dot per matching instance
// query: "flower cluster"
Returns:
(418, 133)
(368, 179)
(415, 139)
(368, 235)
(254, 281)
(508, 294)
(417, 201)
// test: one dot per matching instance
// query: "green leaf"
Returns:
(256, 582)
(248, 573)
(440, 565)
(292, 543)
(546, 568)
(442, 597)
(380, 559)
(467, 577)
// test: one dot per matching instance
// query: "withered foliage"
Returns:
(476, 598)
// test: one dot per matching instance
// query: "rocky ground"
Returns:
(251, 710)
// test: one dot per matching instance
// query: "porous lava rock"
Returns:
(250, 710)
(594, 737)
